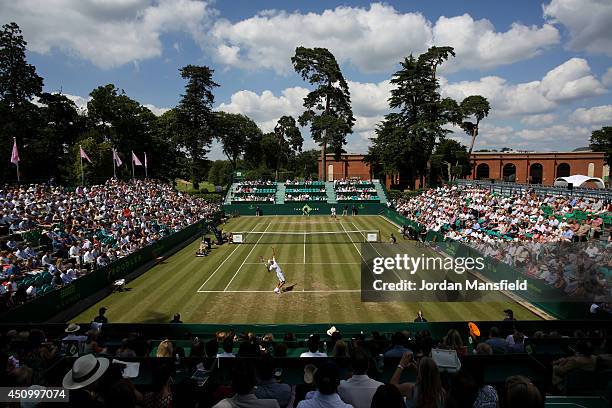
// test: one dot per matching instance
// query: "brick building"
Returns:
(349, 165)
(537, 168)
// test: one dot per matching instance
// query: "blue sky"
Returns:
(546, 67)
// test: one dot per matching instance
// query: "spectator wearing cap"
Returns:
(73, 343)
(83, 380)
(243, 382)
(359, 389)
(327, 380)
(313, 347)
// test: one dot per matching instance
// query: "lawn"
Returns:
(232, 286)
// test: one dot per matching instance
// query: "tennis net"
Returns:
(311, 237)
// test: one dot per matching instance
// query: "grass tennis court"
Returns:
(321, 261)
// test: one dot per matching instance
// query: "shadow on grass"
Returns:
(156, 317)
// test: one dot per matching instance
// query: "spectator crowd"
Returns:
(233, 369)
(50, 236)
(465, 213)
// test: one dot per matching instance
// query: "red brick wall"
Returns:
(349, 165)
(578, 162)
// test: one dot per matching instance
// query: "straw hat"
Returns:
(72, 328)
(85, 371)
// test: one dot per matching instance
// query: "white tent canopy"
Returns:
(579, 180)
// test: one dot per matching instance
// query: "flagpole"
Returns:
(18, 175)
(114, 166)
(82, 175)
(146, 170)
(132, 164)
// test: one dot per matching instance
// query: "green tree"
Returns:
(125, 125)
(195, 116)
(60, 126)
(450, 160)
(235, 132)
(168, 162)
(474, 109)
(19, 83)
(406, 138)
(305, 164)
(328, 107)
(220, 173)
(289, 140)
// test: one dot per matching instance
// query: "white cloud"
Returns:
(539, 120)
(478, 45)
(374, 39)
(266, 108)
(569, 81)
(107, 33)
(588, 23)
(561, 135)
(156, 110)
(597, 115)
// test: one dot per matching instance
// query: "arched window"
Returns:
(536, 173)
(482, 171)
(509, 172)
(563, 170)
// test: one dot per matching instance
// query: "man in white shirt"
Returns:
(75, 253)
(313, 347)
(47, 259)
(359, 389)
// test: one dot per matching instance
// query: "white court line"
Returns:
(389, 221)
(221, 264)
(353, 242)
(284, 293)
(374, 248)
(218, 267)
(304, 249)
(245, 259)
(310, 263)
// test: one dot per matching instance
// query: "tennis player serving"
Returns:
(272, 265)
